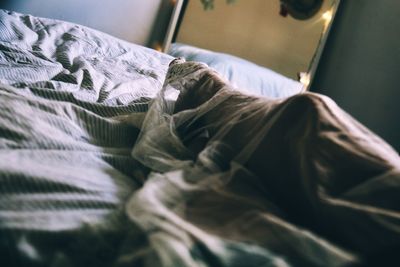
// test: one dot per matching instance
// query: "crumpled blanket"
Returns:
(208, 176)
(70, 61)
(238, 180)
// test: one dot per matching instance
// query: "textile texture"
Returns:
(112, 154)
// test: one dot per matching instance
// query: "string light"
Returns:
(327, 16)
(305, 78)
(157, 46)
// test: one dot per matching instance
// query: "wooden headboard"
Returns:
(143, 22)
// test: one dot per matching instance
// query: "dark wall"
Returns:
(360, 65)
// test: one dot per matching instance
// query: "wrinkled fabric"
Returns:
(295, 181)
(69, 60)
(65, 164)
(207, 176)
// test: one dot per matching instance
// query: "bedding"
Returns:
(65, 167)
(244, 75)
(74, 60)
(140, 159)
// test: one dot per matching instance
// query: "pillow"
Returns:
(244, 75)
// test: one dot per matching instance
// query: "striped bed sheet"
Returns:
(65, 157)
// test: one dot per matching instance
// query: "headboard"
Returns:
(137, 21)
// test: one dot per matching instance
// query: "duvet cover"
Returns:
(116, 155)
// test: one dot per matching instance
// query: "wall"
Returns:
(254, 30)
(360, 65)
(137, 21)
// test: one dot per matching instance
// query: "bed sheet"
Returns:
(65, 150)
(90, 176)
(51, 55)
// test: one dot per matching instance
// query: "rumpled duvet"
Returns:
(201, 175)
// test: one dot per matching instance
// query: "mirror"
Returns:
(256, 31)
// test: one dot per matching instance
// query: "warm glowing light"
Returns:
(327, 16)
(157, 46)
(305, 78)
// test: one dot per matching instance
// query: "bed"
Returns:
(113, 154)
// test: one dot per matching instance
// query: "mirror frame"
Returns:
(322, 42)
(179, 13)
